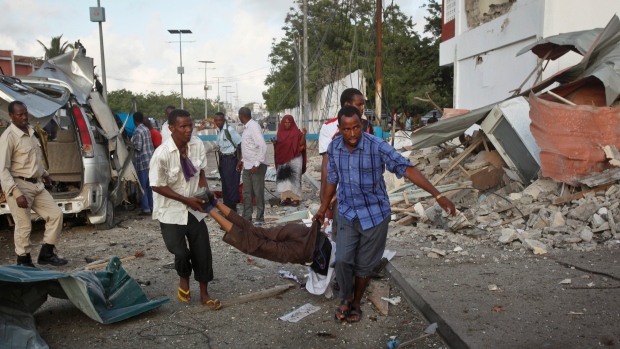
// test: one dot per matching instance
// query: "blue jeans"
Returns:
(147, 199)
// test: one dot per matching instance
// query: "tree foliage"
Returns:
(56, 48)
(342, 39)
(153, 104)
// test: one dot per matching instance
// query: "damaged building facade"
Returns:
(480, 39)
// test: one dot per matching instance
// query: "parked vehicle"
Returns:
(429, 115)
(85, 152)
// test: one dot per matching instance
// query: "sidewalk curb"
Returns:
(451, 338)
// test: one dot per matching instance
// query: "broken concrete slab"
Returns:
(508, 235)
(536, 246)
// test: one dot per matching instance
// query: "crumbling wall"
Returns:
(482, 11)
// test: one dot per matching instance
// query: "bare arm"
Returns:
(194, 203)
(418, 179)
(326, 197)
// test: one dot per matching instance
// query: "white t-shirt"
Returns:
(327, 133)
(165, 132)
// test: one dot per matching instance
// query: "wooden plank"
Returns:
(270, 292)
(462, 156)
(376, 290)
(514, 219)
(407, 220)
(504, 208)
(96, 266)
(421, 193)
(578, 195)
(406, 198)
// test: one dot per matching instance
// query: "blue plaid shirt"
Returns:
(361, 189)
(143, 148)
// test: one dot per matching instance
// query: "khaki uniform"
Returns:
(20, 157)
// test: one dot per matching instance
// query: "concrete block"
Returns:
(536, 246)
(586, 234)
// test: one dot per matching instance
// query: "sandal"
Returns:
(286, 202)
(295, 203)
(213, 304)
(359, 312)
(183, 295)
(343, 312)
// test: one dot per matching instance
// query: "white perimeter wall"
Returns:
(485, 65)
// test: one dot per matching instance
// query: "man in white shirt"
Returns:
(228, 140)
(165, 130)
(177, 175)
(253, 164)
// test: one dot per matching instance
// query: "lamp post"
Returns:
(226, 96)
(206, 86)
(180, 69)
(232, 94)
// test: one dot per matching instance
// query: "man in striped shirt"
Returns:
(142, 154)
(356, 163)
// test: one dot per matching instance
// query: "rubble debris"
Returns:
(271, 292)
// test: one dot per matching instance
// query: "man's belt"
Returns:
(31, 180)
(231, 154)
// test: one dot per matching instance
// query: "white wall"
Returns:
(497, 42)
(327, 104)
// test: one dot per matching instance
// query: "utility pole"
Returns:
(305, 66)
(379, 65)
(97, 14)
(226, 98)
(206, 86)
(300, 82)
(218, 92)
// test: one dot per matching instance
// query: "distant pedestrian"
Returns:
(254, 166)
(23, 180)
(290, 159)
(142, 153)
(155, 135)
(165, 129)
(357, 162)
(228, 140)
(177, 174)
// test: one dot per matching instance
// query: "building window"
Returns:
(450, 11)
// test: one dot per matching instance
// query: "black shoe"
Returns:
(25, 261)
(47, 256)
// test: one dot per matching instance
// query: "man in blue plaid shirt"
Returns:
(142, 154)
(356, 163)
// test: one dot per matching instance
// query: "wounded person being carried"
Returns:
(290, 243)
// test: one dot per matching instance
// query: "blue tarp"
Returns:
(107, 296)
(130, 125)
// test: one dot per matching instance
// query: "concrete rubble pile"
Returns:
(544, 164)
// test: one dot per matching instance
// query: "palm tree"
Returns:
(55, 49)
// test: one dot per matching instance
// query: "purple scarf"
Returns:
(188, 168)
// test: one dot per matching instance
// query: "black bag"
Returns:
(322, 253)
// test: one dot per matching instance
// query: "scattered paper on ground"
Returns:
(300, 313)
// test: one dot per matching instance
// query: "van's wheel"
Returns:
(109, 217)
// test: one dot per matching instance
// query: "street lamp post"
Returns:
(232, 99)
(226, 96)
(180, 69)
(206, 86)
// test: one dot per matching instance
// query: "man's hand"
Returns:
(47, 181)
(320, 216)
(254, 170)
(447, 205)
(195, 204)
(22, 202)
(239, 166)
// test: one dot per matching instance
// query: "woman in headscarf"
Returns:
(290, 159)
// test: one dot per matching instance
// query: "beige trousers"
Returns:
(41, 202)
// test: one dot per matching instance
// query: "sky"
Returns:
(141, 55)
